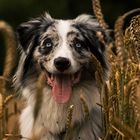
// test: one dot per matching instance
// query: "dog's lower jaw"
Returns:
(51, 118)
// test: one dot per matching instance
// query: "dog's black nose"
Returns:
(61, 63)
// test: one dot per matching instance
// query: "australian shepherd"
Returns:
(61, 51)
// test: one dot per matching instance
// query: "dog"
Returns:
(60, 51)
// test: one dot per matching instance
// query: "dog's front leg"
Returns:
(26, 122)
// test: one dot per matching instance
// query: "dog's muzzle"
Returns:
(62, 81)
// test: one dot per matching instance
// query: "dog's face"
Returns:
(62, 49)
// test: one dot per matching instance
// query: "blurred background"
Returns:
(17, 11)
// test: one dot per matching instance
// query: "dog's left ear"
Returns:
(87, 20)
(90, 26)
(28, 31)
(96, 38)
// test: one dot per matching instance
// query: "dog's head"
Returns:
(62, 49)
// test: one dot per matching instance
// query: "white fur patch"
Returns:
(63, 27)
(26, 122)
(64, 50)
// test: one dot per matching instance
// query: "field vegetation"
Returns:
(120, 95)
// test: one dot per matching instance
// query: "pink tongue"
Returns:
(62, 88)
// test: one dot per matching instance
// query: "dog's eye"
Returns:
(46, 48)
(48, 44)
(78, 45)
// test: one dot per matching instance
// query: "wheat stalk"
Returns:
(69, 117)
(10, 60)
(85, 106)
(98, 13)
(124, 129)
(135, 35)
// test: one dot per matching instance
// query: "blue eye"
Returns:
(48, 44)
(46, 47)
(78, 45)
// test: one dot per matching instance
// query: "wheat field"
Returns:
(120, 95)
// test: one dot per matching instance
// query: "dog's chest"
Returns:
(52, 116)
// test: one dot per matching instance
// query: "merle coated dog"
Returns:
(61, 50)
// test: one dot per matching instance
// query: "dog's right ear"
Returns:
(28, 31)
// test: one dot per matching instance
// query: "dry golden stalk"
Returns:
(12, 135)
(117, 78)
(127, 131)
(138, 104)
(99, 74)
(121, 133)
(2, 78)
(119, 41)
(110, 97)
(110, 54)
(101, 37)
(16, 136)
(129, 73)
(9, 36)
(97, 64)
(10, 59)
(8, 98)
(1, 105)
(127, 37)
(98, 81)
(131, 83)
(106, 105)
(133, 99)
(2, 123)
(99, 71)
(98, 13)
(119, 87)
(69, 117)
(135, 34)
(85, 106)
(130, 46)
(119, 38)
(111, 115)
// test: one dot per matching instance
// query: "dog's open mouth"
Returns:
(62, 85)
